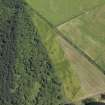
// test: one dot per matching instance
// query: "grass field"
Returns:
(88, 33)
(57, 11)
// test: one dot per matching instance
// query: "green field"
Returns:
(88, 33)
(58, 11)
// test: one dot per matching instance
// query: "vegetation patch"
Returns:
(26, 73)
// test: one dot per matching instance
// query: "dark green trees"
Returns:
(26, 74)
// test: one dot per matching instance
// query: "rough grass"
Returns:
(57, 11)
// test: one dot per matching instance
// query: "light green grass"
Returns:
(88, 33)
(57, 11)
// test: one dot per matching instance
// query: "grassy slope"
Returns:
(57, 11)
(69, 80)
(88, 33)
